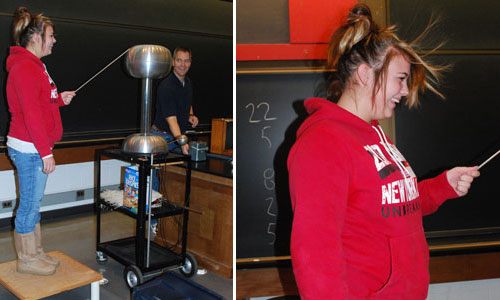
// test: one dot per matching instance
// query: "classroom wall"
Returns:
(91, 34)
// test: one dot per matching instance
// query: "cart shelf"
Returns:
(166, 209)
(123, 251)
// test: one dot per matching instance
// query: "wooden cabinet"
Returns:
(210, 237)
(221, 141)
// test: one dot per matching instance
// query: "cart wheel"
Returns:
(101, 257)
(133, 276)
(190, 266)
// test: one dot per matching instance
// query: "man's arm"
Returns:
(175, 130)
(192, 118)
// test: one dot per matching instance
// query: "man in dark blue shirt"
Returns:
(174, 108)
(174, 104)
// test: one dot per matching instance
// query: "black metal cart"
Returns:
(142, 257)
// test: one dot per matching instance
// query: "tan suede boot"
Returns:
(27, 260)
(39, 249)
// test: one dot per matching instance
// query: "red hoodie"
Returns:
(33, 101)
(357, 230)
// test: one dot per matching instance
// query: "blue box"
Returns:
(131, 188)
(173, 286)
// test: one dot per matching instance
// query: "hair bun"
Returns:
(359, 26)
(360, 10)
(22, 19)
(22, 12)
(361, 13)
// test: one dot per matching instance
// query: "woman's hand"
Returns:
(49, 165)
(460, 178)
(67, 96)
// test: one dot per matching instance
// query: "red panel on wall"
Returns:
(311, 24)
(281, 52)
(315, 21)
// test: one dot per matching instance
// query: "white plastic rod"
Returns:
(486, 161)
(102, 70)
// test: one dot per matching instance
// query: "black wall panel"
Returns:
(208, 17)
(262, 22)
(463, 129)
(462, 24)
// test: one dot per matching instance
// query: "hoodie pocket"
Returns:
(409, 277)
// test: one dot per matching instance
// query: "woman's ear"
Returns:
(364, 74)
(36, 38)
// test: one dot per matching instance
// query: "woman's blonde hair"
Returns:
(25, 25)
(361, 41)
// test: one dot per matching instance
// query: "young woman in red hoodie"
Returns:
(357, 230)
(34, 128)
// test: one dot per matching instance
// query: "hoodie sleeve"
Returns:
(433, 192)
(27, 85)
(318, 177)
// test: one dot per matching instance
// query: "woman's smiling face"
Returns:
(396, 87)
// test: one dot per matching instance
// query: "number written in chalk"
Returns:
(269, 179)
(261, 107)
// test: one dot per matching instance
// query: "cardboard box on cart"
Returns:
(131, 188)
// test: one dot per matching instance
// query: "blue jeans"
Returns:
(32, 182)
(173, 147)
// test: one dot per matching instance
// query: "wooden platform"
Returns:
(69, 275)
